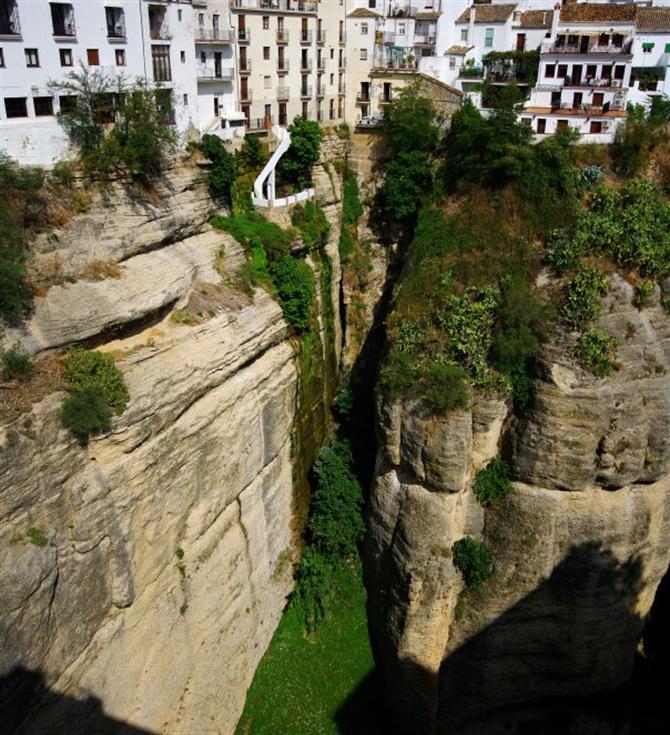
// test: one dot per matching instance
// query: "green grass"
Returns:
(320, 684)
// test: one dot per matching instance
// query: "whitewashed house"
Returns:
(584, 72)
(651, 54)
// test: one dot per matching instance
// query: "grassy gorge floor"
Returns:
(321, 683)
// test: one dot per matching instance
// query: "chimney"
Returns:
(471, 26)
(554, 20)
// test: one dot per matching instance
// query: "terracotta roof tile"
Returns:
(488, 14)
(597, 13)
(536, 19)
(653, 19)
(363, 13)
(458, 50)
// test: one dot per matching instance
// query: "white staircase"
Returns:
(264, 186)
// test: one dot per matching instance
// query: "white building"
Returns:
(584, 71)
(42, 41)
(651, 54)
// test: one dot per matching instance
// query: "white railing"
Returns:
(264, 185)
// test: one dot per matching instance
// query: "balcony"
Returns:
(321, 37)
(386, 99)
(424, 40)
(282, 66)
(10, 26)
(282, 37)
(319, 116)
(210, 73)
(342, 63)
(591, 82)
(260, 124)
(320, 90)
(243, 35)
(342, 38)
(306, 65)
(342, 88)
(363, 98)
(282, 93)
(245, 96)
(387, 38)
(275, 6)
(404, 10)
(214, 35)
(306, 37)
(587, 45)
(245, 66)
(471, 72)
(158, 27)
(62, 20)
(568, 108)
(306, 92)
(320, 66)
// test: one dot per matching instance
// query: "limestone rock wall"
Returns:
(580, 544)
(145, 574)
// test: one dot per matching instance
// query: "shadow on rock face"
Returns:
(24, 693)
(555, 663)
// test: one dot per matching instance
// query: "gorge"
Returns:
(144, 574)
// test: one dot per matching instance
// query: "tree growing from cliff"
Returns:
(295, 166)
(223, 169)
(474, 560)
(410, 123)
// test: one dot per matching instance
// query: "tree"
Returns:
(223, 170)
(407, 182)
(252, 155)
(296, 164)
(140, 135)
(409, 123)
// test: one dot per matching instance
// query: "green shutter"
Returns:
(667, 48)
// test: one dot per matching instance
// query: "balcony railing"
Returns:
(306, 92)
(471, 72)
(551, 47)
(245, 66)
(424, 40)
(282, 66)
(306, 36)
(342, 38)
(243, 35)
(586, 109)
(282, 93)
(306, 65)
(245, 95)
(591, 82)
(282, 36)
(283, 6)
(342, 63)
(209, 73)
(362, 97)
(117, 31)
(321, 37)
(160, 34)
(342, 88)
(320, 90)
(320, 65)
(214, 35)
(260, 123)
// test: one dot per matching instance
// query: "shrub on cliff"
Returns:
(446, 387)
(310, 220)
(86, 412)
(351, 213)
(595, 350)
(492, 482)
(84, 368)
(16, 363)
(581, 301)
(474, 560)
(409, 122)
(294, 282)
(398, 375)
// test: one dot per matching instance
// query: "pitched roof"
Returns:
(598, 13)
(458, 50)
(653, 19)
(536, 19)
(427, 15)
(363, 13)
(488, 13)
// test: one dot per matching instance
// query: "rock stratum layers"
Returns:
(142, 577)
(580, 544)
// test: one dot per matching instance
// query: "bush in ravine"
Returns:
(595, 350)
(223, 169)
(581, 302)
(294, 282)
(492, 482)
(398, 375)
(86, 412)
(474, 560)
(313, 586)
(16, 363)
(446, 387)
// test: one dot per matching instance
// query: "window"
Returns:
(364, 29)
(541, 126)
(65, 57)
(591, 71)
(185, 100)
(562, 125)
(44, 106)
(92, 57)
(203, 57)
(179, 12)
(464, 34)
(266, 22)
(488, 38)
(16, 107)
(371, 4)
(267, 82)
(62, 19)
(120, 56)
(647, 48)
(619, 71)
(525, 121)
(550, 71)
(9, 18)
(116, 24)
(596, 127)
(67, 102)
(32, 58)
(2, 59)
(667, 48)
(160, 57)
(562, 71)
(401, 29)
(452, 62)
(364, 54)
(266, 53)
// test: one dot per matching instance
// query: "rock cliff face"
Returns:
(580, 544)
(148, 571)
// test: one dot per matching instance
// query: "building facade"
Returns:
(41, 42)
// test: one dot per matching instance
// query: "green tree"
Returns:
(409, 123)
(408, 181)
(252, 154)
(295, 166)
(86, 412)
(223, 169)
(294, 283)
(474, 560)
